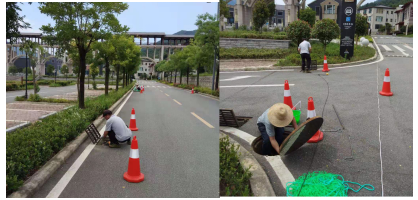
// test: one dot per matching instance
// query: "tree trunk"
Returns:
(107, 72)
(175, 77)
(171, 78)
(82, 68)
(217, 77)
(197, 82)
(181, 75)
(187, 80)
(117, 77)
(34, 81)
(123, 78)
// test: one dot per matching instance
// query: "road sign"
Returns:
(347, 26)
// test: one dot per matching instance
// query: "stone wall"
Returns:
(253, 43)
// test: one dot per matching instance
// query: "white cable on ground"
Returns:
(378, 111)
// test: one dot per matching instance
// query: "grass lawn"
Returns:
(402, 35)
(332, 53)
(245, 53)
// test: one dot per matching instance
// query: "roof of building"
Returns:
(406, 4)
(280, 7)
(379, 6)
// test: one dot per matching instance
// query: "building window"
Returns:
(364, 11)
(370, 10)
(377, 26)
(390, 20)
(145, 69)
(391, 12)
(386, 19)
(369, 18)
(317, 10)
(279, 13)
(279, 21)
(379, 11)
(379, 18)
(387, 12)
(329, 9)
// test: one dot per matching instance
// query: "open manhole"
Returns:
(294, 140)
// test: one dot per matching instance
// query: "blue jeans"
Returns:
(267, 148)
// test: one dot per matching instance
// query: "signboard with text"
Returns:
(347, 25)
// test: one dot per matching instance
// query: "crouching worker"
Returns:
(271, 125)
(116, 129)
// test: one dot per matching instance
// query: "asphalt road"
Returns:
(179, 153)
(353, 92)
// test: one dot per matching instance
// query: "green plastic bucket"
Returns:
(296, 114)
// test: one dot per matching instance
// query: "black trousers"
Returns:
(306, 57)
(112, 137)
(267, 148)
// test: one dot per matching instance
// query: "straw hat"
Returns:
(280, 115)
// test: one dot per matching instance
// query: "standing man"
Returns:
(271, 125)
(116, 129)
(305, 50)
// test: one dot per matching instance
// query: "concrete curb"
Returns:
(37, 180)
(260, 184)
(199, 93)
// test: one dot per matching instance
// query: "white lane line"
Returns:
(166, 94)
(60, 186)
(15, 121)
(202, 120)
(401, 50)
(380, 142)
(386, 48)
(237, 78)
(240, 86)
(177, 102)
(153, 86)
(271, 70)
(275, 162)
(408, 47)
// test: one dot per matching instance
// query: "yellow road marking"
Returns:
(166, 94)
(177, 102)
(202, 120)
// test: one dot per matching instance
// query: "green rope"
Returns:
(322, 184)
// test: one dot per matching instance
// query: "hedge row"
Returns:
(253, 34)
(241, 53)
(28, 149)
(196, 88)
(18, 86)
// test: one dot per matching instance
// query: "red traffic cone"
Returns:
(143, 89)
(192, 90)
(325, 69)
(386, 85)
(140, 91)
(319, 135)
(132, 124)
(134, 174)
(287, 96)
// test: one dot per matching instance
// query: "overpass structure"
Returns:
(166, 41)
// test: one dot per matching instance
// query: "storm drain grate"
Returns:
(93, 133)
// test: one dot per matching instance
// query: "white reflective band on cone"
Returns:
(311, 113)
(132, 116)
(287, 93)
(134, 153)
(325, 61)
(386, 79)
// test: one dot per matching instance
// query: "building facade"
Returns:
(278, 20)
(147, 67)
(404, 16)
(326, 9)
(378, 16)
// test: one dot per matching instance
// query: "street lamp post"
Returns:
(26, 92)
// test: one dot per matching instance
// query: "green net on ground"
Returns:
(322, 184)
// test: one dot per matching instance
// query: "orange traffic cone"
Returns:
(143, 89)
(287, 96)
(386, 85)
(132, 124)
(325, 69)
(319, 135)
(140, 91)
(192, 90)
(134, 174)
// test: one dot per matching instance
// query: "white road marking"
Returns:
(408, 47)
(166, 94)
(177, 102)
(386, 48)
(153, 86)
(380, 142)
(271, 70)
(275, 162)
(236, 78)
(240, 86)
(60, 186)
(401, 50)
(15, 121)
(202, 120)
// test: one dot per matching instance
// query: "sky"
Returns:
(139, 17)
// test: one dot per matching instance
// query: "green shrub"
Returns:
(252, 34)
(234, 180)
(94, 85)
(242, 53)
(243, 28)
(265, 29)
(29, 148)
(20, 98)
(35, 98)
(276, 30)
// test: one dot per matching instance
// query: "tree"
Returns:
(29, 70)
(81, 23)
(64, 70)
(272, 9)
(13, 70)
(382, 29)
(297, 30)
(50, 70)
(14, 21)
(361, 26)
(32, 49)
(199, 56)
(207, 34)
(388, 28)
(94, 71)
(308, 15)
(261, 14)
(325, 31)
